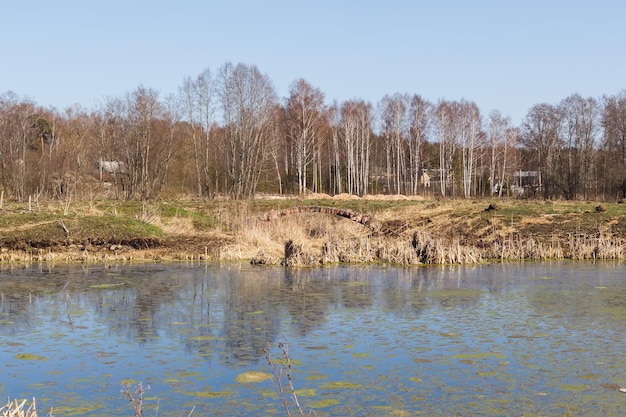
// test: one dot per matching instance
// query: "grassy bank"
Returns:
(408, 231)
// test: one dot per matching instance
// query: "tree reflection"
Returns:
(230, 313)
(251, 317)
(307, 299)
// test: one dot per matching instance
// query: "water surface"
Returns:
(496, 340)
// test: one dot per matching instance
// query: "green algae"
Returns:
(573, 387)
(75, 411)
(206, 394)
(188, 374)
(324, 403)
(317, 377)
(30, 357)
(204, 338)
(307, 392)
(479, 355)
(106, 286)
(390, 411)
(340, 385)
(252, 377)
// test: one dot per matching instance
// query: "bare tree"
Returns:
(470, 138)
(496, 134)
(511, 138)
(198, 103)
(541, 136)
(305, 123)
(614, 143)
(419, 125)
(16, 131)
(135, 137)
(248, 101)
(356, 116)
(395, 131)
(580, 132)
(447, 114)
(335, 152)
(71, 153)
(144, 109)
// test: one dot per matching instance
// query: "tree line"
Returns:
(226, 133)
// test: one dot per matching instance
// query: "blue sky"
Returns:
(504, 55)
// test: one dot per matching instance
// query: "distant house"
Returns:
(109, 169)
(527, 182)
(425, 180)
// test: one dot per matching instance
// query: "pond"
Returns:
(493, 340)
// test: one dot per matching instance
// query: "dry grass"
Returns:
(413, 231)
(18, 409)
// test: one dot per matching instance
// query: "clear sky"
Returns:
(503, 54)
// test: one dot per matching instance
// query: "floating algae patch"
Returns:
(317, 377)
(252, 377)
(455, 293)
(573, 387)
(341, 385)
(415, 379)
(30, 357)
(355, 283)
(307, 392)
(390, 411)
(316, 347)
(75, 411)
(479, 355)
(204, 338)
(106, 286)
(255, 313)
(361, 355)
(590, 376)
(323, 403)
(187, 374)
(206, 394)
(129, 381)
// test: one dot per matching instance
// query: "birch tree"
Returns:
(395, 130)
(356, 116)
(496, 131)
(248, 101)
(447, 114)
(419, 126)
(305, 123)
(470, 135)
(511, 139)
(198, 103)
(335, 158)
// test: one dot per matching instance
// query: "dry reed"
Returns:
(17, 409)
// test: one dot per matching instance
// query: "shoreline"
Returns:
(314, 231)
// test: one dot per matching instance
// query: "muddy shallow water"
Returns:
(495, 340)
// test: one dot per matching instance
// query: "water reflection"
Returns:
(449, 334)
